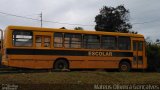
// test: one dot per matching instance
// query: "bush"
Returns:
(153, 57)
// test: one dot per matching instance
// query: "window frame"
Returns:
(47, 44)
(103, 43)
(85, 42)
(73, 42)
(140, 46)
(38, 42)
(14, 37)
(129, 39)
(55, 43)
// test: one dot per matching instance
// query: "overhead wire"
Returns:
(43, 20)
(136, 23)
(156, 20)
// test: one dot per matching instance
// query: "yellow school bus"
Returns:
(48, 48)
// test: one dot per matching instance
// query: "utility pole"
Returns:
(41, 19)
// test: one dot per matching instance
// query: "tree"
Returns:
(78, 28)
(62, 28)
(157, 40)
(153, 55)
(113, 19)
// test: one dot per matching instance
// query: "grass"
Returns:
(80, 78)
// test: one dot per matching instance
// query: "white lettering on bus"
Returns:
(99, 53)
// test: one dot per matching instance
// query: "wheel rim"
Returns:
(124, 68)
(60, 66)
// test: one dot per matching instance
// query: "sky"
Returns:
(144, 14)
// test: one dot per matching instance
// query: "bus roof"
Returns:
(71, 31)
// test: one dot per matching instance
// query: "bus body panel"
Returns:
(38, 59)
(44, 61)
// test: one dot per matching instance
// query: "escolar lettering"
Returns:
(98, 53)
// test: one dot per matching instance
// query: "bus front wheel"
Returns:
(124, 67)
(61, 65)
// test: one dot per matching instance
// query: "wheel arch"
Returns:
(61, 58)
(125, 60)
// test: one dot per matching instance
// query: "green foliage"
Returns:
(153, 56)
(62, 28)
(113, 19)
(78, 28)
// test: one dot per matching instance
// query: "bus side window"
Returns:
(22, 38)
(72, 40)
(140, 46)
(91, 41)
(124, 43)
(58, 40)
(47, 41)
(38, 41)
(109, 42)
(134, 46)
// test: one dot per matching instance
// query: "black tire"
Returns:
(124, 67)
(61, 65)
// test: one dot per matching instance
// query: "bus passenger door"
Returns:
(43, 40)
(138, 54)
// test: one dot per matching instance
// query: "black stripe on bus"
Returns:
(60, 52)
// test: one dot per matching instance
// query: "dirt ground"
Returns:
(76, 79)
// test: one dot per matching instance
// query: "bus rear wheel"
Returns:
(61, 65)
(124, 67)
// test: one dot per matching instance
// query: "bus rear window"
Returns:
(22, 38)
